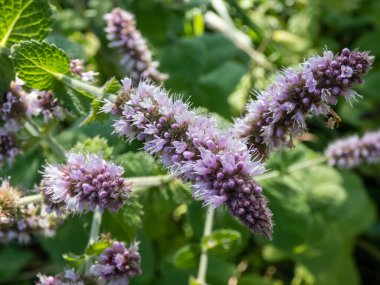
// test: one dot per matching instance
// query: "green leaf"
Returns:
(187, 257)
(39, 64)
(24, 20)
(222, 241)
(74, 259)
(194, 281)
(12, 260)
(124, 223)
(138, 164)
(7, 73)
(97, 247)
(112, 86)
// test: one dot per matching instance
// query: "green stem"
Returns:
(139, 183)
(56, 147)
(203, 261)
(81, 86)
(37, 198)
(34, 130)
(94, 233)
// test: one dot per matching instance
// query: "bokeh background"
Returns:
(216, 53)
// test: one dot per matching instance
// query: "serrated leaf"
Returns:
(222, 241)
(39, 64)
(138, 164)
(112, 86)
(6, 72)
(97, 247)
(187, 257)
(24, 20)
(74, 259)
(124, 223)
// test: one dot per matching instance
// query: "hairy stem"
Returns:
(56, 147)
(203, 261)
(34, 130)
(94, 233)
(139, 183)
(89, 90)
(37, 198)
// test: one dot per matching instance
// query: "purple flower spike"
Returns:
(279, 113)
(217, 163)
(354, 150)
(84, 183)
(69, 277)
(8, 147)
(122, 34)
(118, 263)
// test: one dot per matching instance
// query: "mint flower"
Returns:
(217, 163)
(31, 220)
(117, 264)
(8, 147)
(137, 58)
(69, 277)
(279, 113)
(84, 183)
(354, 150)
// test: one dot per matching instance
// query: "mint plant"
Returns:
(252, 186)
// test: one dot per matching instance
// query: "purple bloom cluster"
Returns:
(12, 107)
(278, 114)
(8, 202)
(217, 163)
(31, 220)
(67, 278)
(117, 264)
(354, 150)
(77, 67)
(84, 183)
(122, 34)
(17, 104)
(8, 147)
(43, 102)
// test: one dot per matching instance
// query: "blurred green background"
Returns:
(216, 53)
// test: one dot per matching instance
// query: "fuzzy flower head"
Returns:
(31, 220)
(8, 147)
(279, 113)
(45, 103)
(77, 68)
(137, 58)
(8, 202)
(84, 183)
(12, 107)
(69, 277)
(354, 151)
(216, 163)
(118, 263)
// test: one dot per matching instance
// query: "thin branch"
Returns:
(203, 261)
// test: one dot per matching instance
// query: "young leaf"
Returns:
(112, 86)
(6, 72)
(39, 64)
(24, 20)
(187, 257)
(222, 241)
